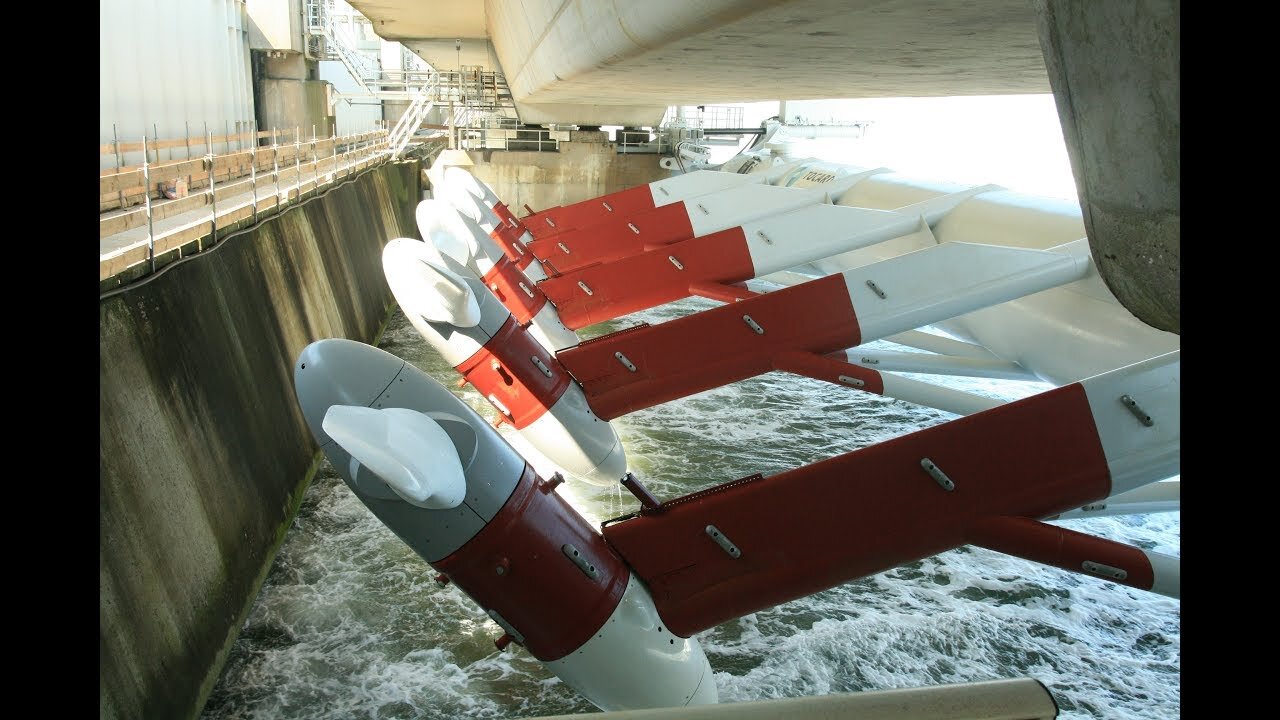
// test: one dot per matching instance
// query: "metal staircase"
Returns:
(472, 93)
(473, 86)
(411, 120)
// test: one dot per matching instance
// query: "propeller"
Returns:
(440, 225)
(424, 285)
(456, 177)
(407, 450)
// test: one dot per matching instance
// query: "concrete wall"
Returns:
(1116, 75)
(586, 167)
(289, 104)
(204, 453)
(285, 99)
(443, 54)
(164, 67)
(361, 114)
(275, 25)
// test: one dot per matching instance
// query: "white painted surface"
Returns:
(1161, 496)
(426, 288)
(1138, 454)
(633, 661)
(455, 344)
(1061, 334)
(459, 237)
(818, 231)
(931, 285)
(569, 434)
(941, 345)
(405, 448)
(729, 208)
(166, 65)
(1166, 574)
(581, 444)
(936, 396)
(550, 330)
(441, 225)
(698, 182)
(931, 364)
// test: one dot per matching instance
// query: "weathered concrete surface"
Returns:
(284, 101)
(275, 24)
(1115, 69)
(569, 61)
(204, 453)
(587, 166)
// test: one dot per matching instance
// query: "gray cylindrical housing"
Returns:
(337, 371)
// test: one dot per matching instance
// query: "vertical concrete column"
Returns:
(1115, 71)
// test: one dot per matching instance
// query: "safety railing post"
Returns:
(315, 169)
(146, 195)
(297, 162)
(115, 140)
(253, 169)
(275, 165)
(213, 195)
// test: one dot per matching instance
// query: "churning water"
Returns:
(350, 623)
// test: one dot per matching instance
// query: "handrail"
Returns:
(128, 178)
(478, 137)
(411, 120)
(286, 170)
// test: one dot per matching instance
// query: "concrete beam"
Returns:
(274, 25)
(573, 114)
(1115, 70)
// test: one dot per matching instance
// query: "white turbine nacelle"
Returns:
(428, 288)
(453, 490)
(510, 364)
(457, 179)
(457, 235)
(409, 451)
(442, 228)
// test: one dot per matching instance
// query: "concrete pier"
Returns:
(204, 453)
(588, 165)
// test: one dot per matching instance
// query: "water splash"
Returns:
(350, 624)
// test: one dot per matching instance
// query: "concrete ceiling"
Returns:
(416, 19)
(586, 54)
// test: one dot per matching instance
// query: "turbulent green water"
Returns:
(350, 623)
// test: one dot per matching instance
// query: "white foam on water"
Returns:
(350, 624)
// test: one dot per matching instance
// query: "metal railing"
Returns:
(200, 196)
(644, 141)
(703, 116)
(472, 86)
(411, 120)
(484, 137)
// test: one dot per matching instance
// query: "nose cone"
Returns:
(423, 286)
(459, 178)
(441, 226)
(470, 206)
(484, 244)
(409, 451)
(337, 371)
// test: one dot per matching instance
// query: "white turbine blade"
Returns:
(466, 204)
(440, 225)
(426, 287)
(409, 451)
(460, 178)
